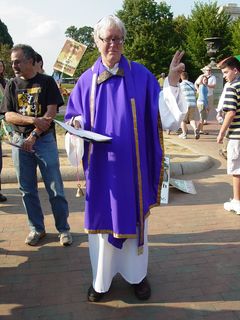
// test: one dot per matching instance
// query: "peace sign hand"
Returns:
(176, 68)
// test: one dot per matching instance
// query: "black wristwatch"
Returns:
(35, 134)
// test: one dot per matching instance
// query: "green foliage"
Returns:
(5, 37)
(85, 36)
(6, 43)
(5, 56)
(153, 35)
(236, 37)
(204, 22)
(148, 25)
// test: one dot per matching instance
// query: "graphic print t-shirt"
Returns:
(31, 98)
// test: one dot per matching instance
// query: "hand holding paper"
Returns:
(84, 134)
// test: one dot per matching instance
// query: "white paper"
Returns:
(85, 134)
(183, 185)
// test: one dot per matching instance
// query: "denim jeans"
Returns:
(46, 158)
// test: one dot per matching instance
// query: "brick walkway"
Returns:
(193, 259)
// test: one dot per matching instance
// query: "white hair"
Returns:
(107, 22)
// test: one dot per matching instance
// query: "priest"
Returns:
(121, 99)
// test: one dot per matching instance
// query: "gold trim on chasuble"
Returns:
(140, 193)
(160, 134)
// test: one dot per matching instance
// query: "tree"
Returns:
(85, 36)
(205, 21)
(5, 37)
(5, 56)
(5, 45)
(236, 37)
(149, 33)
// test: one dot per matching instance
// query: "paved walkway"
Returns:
(193, 258)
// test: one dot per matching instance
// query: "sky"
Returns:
(42, 23)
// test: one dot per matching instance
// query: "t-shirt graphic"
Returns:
(28, 102)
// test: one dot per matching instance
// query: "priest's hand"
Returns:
(176, 68)
(76, 124)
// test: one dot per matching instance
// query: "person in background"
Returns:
(161, 79)
(120, 98)
(202, 103)
(211, 84)
(231, 106)
(39, 63)
(220, 117)
(2, 87)
(188, 90)
(29, 104)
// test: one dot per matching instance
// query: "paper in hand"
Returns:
(84, 134)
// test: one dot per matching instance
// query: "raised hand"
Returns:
(176, 68)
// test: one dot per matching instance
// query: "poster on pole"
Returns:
(166, 179)
(69, 57)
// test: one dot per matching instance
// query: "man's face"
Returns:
(208, 72)
(110, 46)
(229, 74)
(21, 66)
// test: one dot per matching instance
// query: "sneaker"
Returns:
(232, 205)
(65, 238)
(197, 134)
(34, 237)
(183, 136)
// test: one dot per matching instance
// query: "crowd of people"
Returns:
(123, 100)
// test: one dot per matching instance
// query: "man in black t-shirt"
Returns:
(30, 104)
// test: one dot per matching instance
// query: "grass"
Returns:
(68, 85)
(59, 130)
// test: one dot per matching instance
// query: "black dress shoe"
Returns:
(94, 296)
(2, 198)
(142, 290)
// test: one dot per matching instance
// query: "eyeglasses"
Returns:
(113, 40)
(17, 62)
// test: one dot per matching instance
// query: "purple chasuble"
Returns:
(123, 178)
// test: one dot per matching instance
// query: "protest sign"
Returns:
(69, 57)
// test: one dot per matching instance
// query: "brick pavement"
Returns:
(193, 258)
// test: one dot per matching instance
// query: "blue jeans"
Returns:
(46, 157)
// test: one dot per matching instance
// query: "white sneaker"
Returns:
(65, 238)
(232, 205)
(34, 237)
(183, 136)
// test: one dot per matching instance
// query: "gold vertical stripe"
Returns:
(133, 104)
(160, 133)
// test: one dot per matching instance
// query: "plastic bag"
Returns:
(74, 148)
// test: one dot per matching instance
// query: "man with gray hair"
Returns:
(30, 104)
(120, 99)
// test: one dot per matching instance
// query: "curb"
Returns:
(196, 166)
(69, 173)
